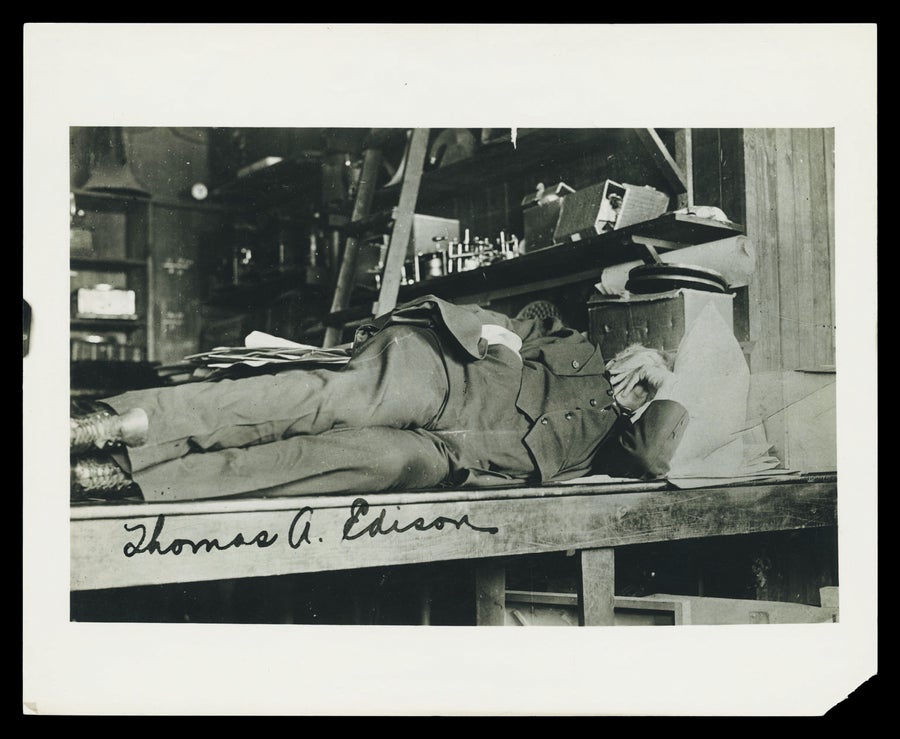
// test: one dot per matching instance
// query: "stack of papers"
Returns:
(264, 353)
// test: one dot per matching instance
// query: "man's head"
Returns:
(637, 373)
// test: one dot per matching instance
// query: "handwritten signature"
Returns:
(299, 532)
(360, 508)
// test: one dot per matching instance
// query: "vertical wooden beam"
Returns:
(731, 173)
(684, 157)
(372, 158)
(766, 240)
(788, 276)
(490, 592)
(829, 190)
(821, 228)
(150, 301)
(706, 161)
(402, 231)
(803, 248)
(596, 587)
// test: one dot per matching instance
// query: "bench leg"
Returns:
(596, 586)
(490, 592)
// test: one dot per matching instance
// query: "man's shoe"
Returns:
(96, 475)
(103, 429)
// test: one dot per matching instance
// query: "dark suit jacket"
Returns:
(577, 427)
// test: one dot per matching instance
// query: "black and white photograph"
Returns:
(360, 352)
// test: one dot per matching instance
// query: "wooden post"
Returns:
(490, 592)
(372, 158)
(684, 154)
(596, 586)
(402, 231)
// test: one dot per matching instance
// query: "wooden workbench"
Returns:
(129, 544)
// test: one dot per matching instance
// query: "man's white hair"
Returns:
(644, 354)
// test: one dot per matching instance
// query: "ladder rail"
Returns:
(403, 222)
(400, 233)
(372, 159)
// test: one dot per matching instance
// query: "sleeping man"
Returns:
(434, 394)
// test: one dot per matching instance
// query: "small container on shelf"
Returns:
(99, 347)
(104, 301)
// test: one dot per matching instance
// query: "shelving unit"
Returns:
(485, 190)
(288, 285)
(559, 265)
(115, 352)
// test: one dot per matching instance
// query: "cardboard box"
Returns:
(425, 229)
(607, 206)
(658, 320)
(104, 301)
(540, 214)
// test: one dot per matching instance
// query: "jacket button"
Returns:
(593, 401)
(544, 421)
(576, 364)
(570, 416)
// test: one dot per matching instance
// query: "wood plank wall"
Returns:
(789, 187)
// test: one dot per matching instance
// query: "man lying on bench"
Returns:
(434, 394)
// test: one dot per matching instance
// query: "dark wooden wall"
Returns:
(488, 209)
(789, 184)
(718, 170)
(168, 161)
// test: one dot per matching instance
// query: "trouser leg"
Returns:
(397, 380)
(345, 461)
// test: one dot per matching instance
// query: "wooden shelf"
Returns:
(111, 202)
(107, 324)
(106, 263)
(557, 265)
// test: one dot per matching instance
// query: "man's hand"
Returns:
(636, 373)
(494, 334)
(649, 375)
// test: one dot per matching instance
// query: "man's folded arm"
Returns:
(644, 449)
